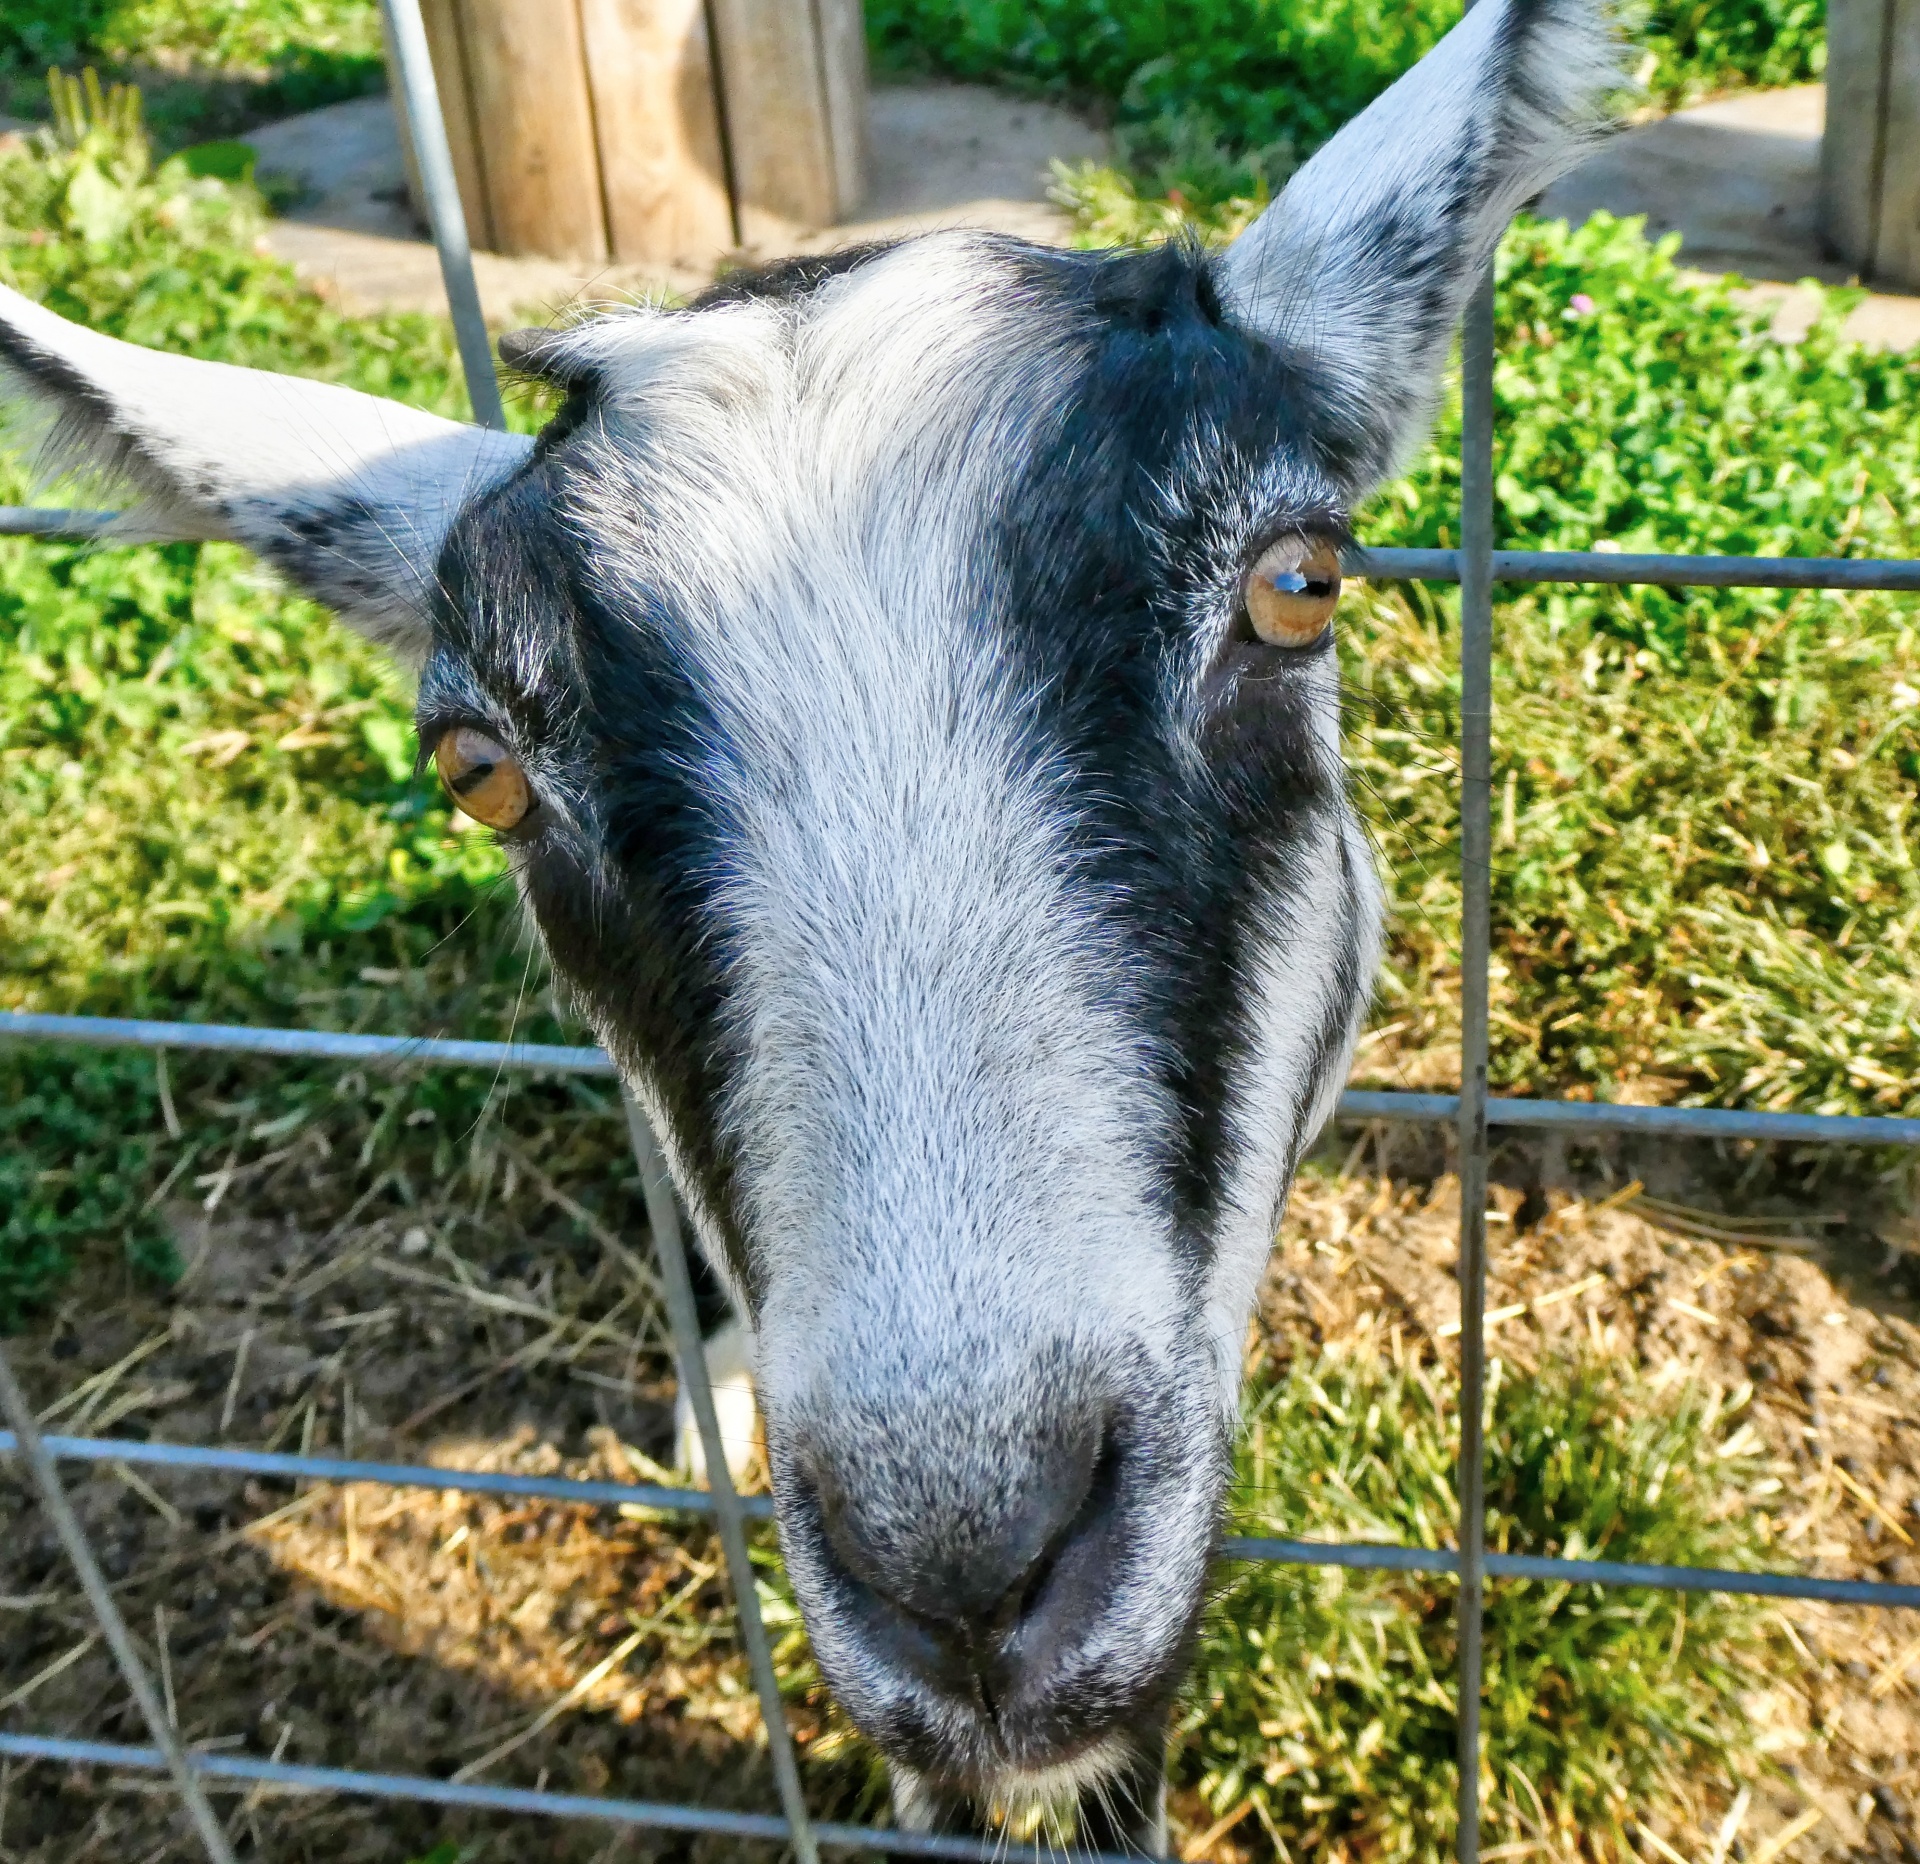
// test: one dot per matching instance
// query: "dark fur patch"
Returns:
(618, 869)
(1105, 553)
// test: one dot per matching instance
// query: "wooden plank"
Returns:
(445, 42)
(842, 27)
(527, 79)
(657, 123)
(776, 111)
(1899, 255)
(1848, 148)
(1870, 154)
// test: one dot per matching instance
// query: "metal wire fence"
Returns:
(1476, 567)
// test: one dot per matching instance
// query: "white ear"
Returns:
(349, 495)
(1363, 265)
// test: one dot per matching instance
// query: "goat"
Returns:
(904, 685)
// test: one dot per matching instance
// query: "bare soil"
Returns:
(591, 1650)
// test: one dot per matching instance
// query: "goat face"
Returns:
(970, 894)
(902, 685)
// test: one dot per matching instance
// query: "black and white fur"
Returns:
(971, 900)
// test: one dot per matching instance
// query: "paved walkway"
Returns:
(1739, 180)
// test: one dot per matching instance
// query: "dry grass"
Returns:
(591, 1649)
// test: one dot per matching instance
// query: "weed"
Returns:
(214, 66)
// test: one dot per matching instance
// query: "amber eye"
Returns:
(1291, 591)
(483, 777)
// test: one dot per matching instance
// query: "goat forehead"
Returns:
(772, 452)
(863, 383)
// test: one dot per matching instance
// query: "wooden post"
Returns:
(651, 130)
(843, 60)
(783, 64)
(663, 168)
(1870, 154)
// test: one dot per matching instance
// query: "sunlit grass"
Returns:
(1328, 1698)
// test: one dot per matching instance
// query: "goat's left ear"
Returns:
(1361, 268)
(349, 495)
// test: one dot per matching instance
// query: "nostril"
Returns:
(1103, 1488)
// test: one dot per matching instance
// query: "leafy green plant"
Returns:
(1327, 1697)
(76, 1165)
(1262, 81)
(206, 785)
(1703, 876)
(447, 1851)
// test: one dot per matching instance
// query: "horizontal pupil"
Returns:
(470, 780)
(1291, 582)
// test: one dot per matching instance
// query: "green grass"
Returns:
(206, 788)
(1328, 1697)
(213, 66)
(1704, 884)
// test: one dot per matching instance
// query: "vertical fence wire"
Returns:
(664, 1217)
(426, 127)
(1476, 879)
(113, 1627)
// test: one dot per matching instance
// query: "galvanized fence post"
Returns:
(1476, 882)
(427, 128)
(664, 1215)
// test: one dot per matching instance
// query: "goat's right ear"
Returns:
(1361, 268)
(350, 496)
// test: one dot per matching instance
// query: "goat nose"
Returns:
(953, 1579)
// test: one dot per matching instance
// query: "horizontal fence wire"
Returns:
(287, 1465)
(1830, 1129)
(1899, 575)
(470, 1796)
(1646, 568)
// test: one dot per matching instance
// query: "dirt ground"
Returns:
(591, 1649)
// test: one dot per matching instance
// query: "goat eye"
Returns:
(483, 777)
(1289, 594)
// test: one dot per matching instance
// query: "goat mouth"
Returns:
(1027, 1755)
(1008, 1633)
(993, 1728)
